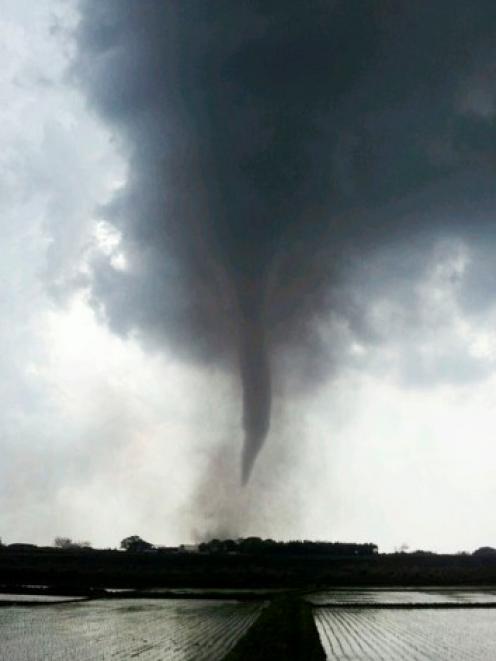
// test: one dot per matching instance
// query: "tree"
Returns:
(485, 552)
(66, 543)
(135, 543)
(63, 542)
(251, 545)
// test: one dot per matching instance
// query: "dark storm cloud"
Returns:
(270, 141)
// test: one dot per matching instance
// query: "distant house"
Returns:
(22, 547)
(183, 548)
(188, 548)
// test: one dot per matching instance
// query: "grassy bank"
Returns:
(284, 631)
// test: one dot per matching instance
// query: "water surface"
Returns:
(409, 635)
(148, 629)
(403, 596)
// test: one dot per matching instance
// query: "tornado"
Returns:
(266, 142)
(256, 387)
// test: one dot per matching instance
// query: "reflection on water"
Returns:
(421, 596)
(414, 634)
(205, 630)
(38, 598)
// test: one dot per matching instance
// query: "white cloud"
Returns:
(403, 466)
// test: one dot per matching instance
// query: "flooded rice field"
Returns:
(150, 630)
(409, 635)
(396, 597)
(378, 624)
(367, 624)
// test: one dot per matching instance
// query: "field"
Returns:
(429, 624)
(422, 624)
(410, 635)
(151, 630)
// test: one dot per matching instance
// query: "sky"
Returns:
(365, 283)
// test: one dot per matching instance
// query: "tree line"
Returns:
(259, 546)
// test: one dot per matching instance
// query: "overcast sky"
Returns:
(106, 431)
